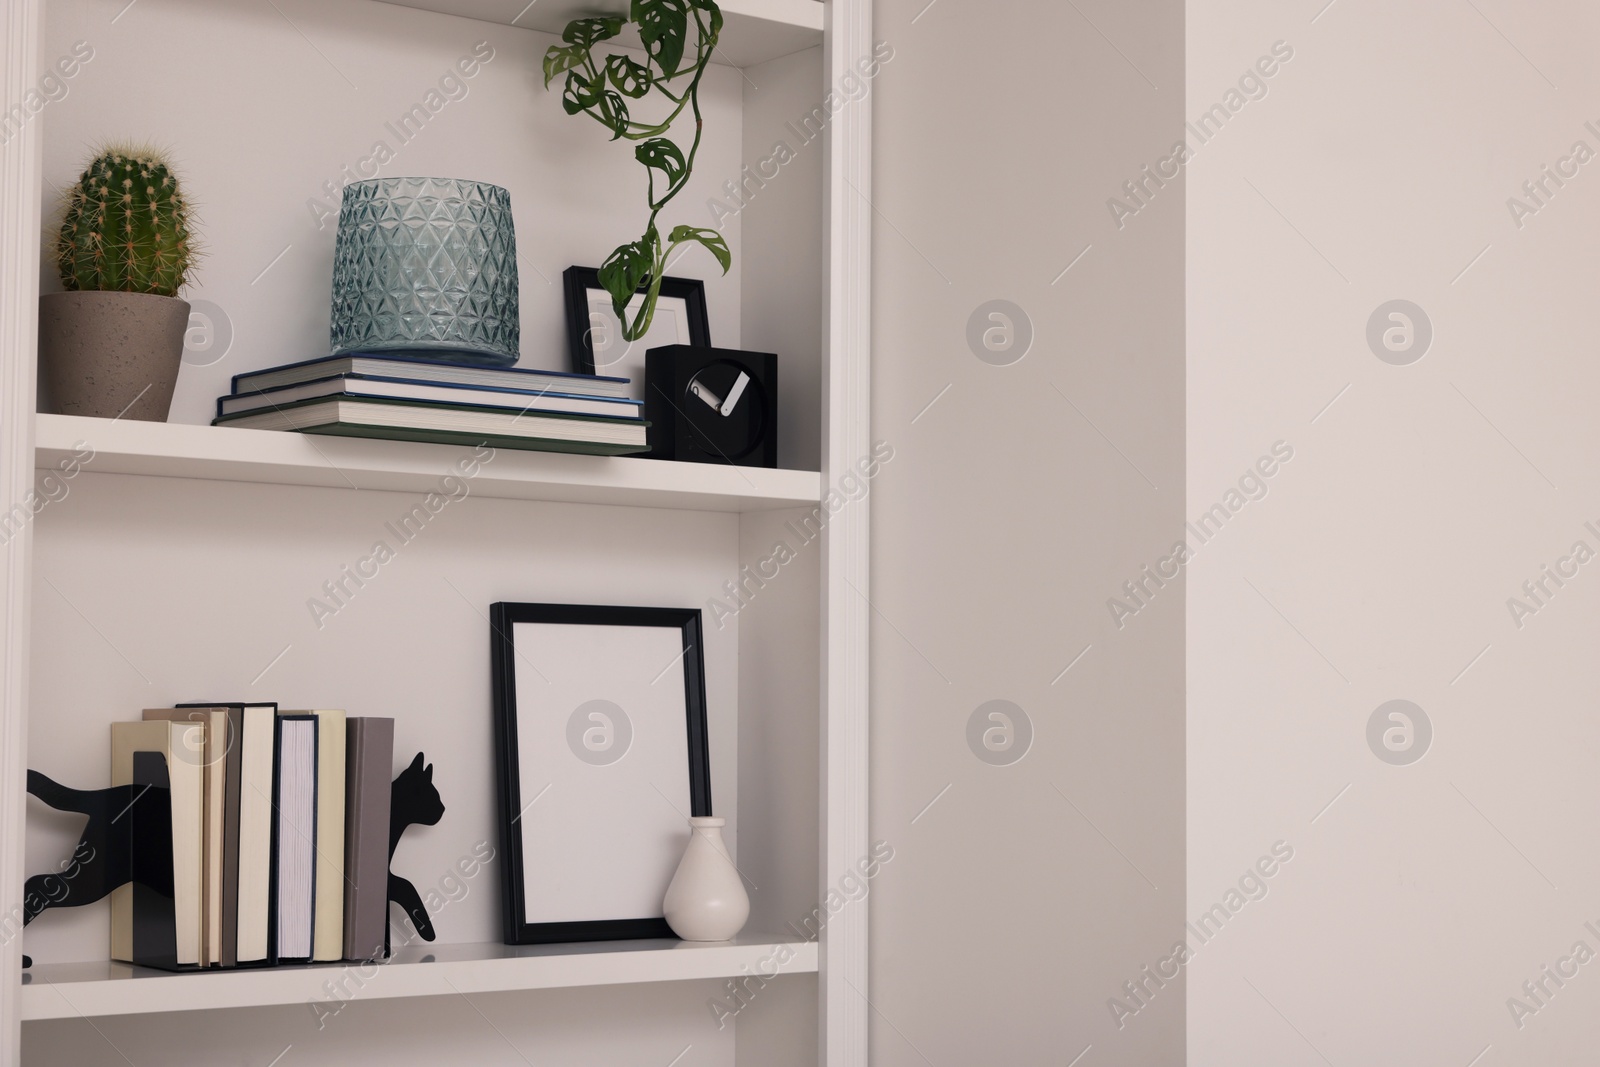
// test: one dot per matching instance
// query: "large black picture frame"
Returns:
(504, 657)
(578, 281)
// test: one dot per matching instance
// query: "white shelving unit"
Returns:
(79, 990)
(186, 548)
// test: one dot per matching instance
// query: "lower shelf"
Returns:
(73, 990)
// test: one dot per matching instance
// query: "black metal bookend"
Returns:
(104, 857)
(412, 800)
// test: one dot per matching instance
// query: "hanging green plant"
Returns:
(602, 91)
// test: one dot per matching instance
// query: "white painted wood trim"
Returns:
(20, 176)
(75, 990)
(218, 453)
(847, 438)
(754, 31)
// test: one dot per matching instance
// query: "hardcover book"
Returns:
(328, 944)
(294, 874)
(415, 420)
(370, 770)
(428, 370)
(351, 385)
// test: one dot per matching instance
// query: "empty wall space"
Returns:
(1432, 876)
(1030, 880)
(779, 180)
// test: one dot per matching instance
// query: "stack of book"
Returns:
(447, 403)
(279, 836)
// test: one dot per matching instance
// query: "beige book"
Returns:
(215, 767)
(329, 924)
(255, 832)
(182, 745)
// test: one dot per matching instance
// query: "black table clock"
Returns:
(712, 405)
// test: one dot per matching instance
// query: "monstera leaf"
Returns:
(658, 153)
(664, 29)
(613, 113)
(713, 17)
(585, 32)
(631, 79)
(562, 58)
(581, 94)
(625, 269)
(711, 239)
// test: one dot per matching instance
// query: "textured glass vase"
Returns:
(426, 267)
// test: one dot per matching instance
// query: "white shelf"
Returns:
(74, 990)
(753, 31)
(169, 450)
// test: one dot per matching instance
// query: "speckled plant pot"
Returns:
(111, 354)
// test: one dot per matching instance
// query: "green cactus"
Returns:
(126, 226)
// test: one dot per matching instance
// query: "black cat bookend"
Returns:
(412, 800)
(105, 856)
(128, 838)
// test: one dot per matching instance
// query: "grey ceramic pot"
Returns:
(111, 354)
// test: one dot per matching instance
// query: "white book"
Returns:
(296, 868)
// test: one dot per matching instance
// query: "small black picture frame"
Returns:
(579, 282)
(562, 659)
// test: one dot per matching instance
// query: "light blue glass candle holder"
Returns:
(426, 267)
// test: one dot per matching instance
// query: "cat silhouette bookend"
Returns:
(412, 800)
(105, 857)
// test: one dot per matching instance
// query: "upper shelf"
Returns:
(170, 450)
(76, 990)
(753, 31)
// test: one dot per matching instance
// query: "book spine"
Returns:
(355, 749)
(233, 765)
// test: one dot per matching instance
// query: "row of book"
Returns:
(279, 846)
(450, 403)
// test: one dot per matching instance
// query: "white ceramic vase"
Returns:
(706, 900)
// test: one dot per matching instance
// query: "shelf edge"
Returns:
(210, 453)
(144, 992)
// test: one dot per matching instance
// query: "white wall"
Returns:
(1379, 565)
(1022, 498)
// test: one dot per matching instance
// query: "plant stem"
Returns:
(641, 324)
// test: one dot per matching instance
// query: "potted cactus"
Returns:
(111, 345)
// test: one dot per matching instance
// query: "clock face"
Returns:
(725, 409)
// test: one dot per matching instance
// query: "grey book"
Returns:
(369, 771)
(230, 839)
